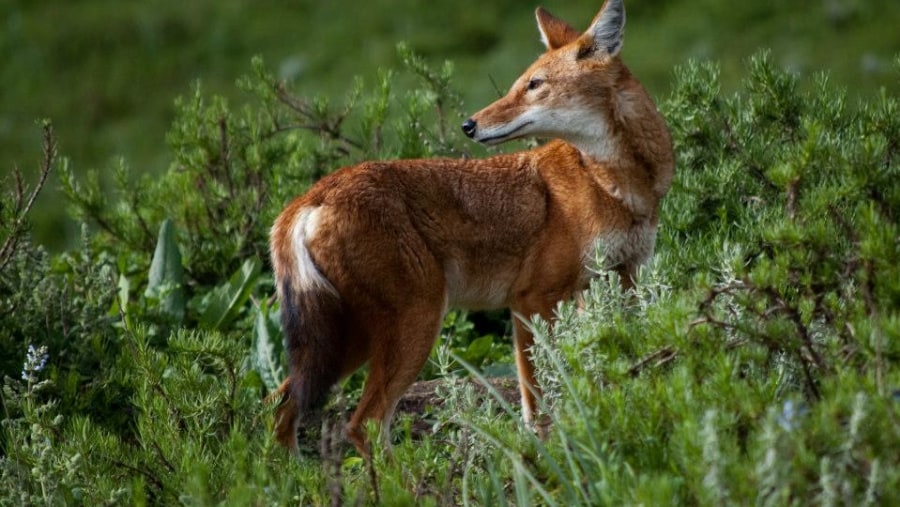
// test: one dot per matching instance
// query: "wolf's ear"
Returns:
(606, 32)
(555, 32)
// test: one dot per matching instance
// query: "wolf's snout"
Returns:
(468, 127)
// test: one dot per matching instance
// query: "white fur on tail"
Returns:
(307, 275)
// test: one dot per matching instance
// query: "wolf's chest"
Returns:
(632, 246)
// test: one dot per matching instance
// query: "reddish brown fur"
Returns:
(392, 245)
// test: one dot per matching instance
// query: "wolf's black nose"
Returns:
(468, 127)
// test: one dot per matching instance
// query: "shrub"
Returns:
(756, 360)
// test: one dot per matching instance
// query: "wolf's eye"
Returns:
(535, 83)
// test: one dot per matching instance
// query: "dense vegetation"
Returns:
(757, 361)
(106, 70)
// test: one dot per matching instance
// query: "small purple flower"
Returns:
(35, 361)
(790, 413)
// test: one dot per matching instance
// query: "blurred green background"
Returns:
(106, 72)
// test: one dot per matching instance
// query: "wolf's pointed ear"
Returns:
(555, 32)
(606, 32)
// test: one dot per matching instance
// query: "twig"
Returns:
(225, 155)
(791, 204)
(162, 457)
(133, 204)
(153, 479)
(331, 460)
(458, 461)
(660, 357)
(317, 124)
(373, 477)
(49, 145)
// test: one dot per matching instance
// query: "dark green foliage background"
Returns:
(106, 71)
(757, 361)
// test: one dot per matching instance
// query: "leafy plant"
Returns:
(756, 361)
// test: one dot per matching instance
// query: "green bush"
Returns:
(757, 361)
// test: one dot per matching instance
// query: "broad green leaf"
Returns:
(124, 294)
(166, 278)
(266, 351)
(478, 350)
(353, 462)
(221, 305)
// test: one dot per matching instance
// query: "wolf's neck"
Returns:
(632, 136)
